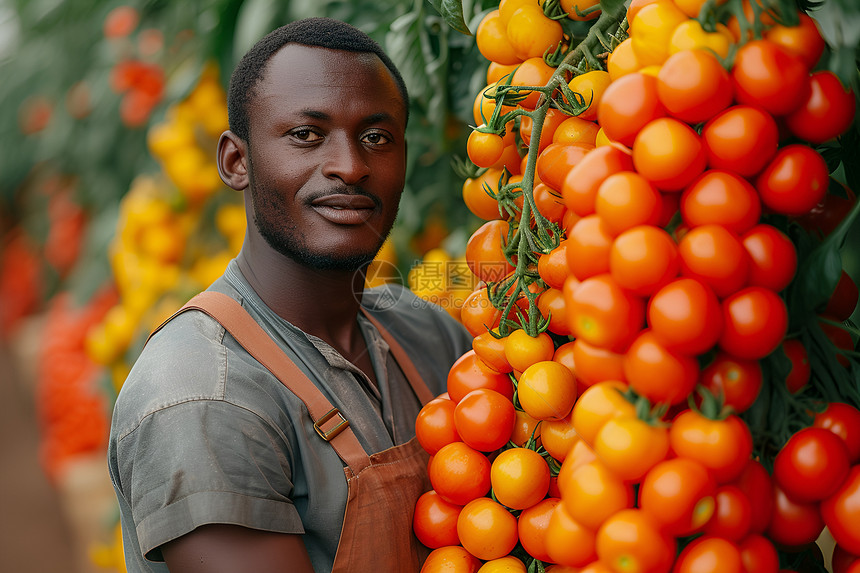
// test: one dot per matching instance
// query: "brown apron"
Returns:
(382, 487)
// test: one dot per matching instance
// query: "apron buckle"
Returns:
(328, 435)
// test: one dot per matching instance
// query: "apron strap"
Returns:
(418, 385)
(329, 422)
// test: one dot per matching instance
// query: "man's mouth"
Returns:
(345, 208)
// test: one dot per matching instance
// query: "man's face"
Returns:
(327, 155)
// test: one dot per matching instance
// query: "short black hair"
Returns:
(319, 32)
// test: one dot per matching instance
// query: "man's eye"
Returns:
(376, 138)
(305, 135)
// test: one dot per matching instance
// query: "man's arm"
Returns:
(231, 548)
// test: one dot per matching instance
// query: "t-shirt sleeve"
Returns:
(205, 461)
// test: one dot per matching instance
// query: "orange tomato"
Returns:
(547, 390)
(533, 526)
(643, 259)
(470, 373)
(485, 251)
(492, 40)
(459, 473)
(604, 314)
(629, 540)
(593, 493)
(567, 541)
(723, 198)
(581, 184)
(519, 478)
(450, 559)
(629, 104)
(627, 199)
(630, 447)
(669, 154)
(597, 404)
(678, 494)
(661, 375)
(532, 72)
(595, 364)
(694, 86)
(588, 246)
(434, 426)
(558, 437)
(486, 529)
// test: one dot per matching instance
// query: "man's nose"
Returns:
(345, 160)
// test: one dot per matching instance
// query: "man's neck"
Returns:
(319, 302)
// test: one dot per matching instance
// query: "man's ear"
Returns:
(233, 161)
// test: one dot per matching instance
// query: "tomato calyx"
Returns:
(711, 406)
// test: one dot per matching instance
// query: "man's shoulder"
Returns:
(182, 362)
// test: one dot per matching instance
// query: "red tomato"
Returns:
(669, 153)
(685, 316)
(768, 75)
(694, 86)
(435, 521)
(659, 374)
(811, 465)
(755, 320)
(722, 198)
(758, 555)
(757, 485)
(843, 301)
(723, 446)
(794, 181)
(678, 494)
(737, 380)
(803, 40)
(842, 560)
(716, 256)
(843, 420)
(830, 211)
(604, 314)
(434, 426)
(484, 419)
(709, 554)
(841, 512)
(773, 257)
(459, 473)
(827, 113)
(629, 104)
(732, 515)
(801, 370)
(582, 182)
(793, 523)
(741, 139)
(470, 373)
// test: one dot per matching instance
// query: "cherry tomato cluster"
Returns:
(649, 218)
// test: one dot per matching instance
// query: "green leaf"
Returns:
(452, 12)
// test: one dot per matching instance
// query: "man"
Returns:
(238, 447)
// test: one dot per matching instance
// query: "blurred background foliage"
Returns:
(83, 82)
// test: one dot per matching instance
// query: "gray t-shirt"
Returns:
(202, 433)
